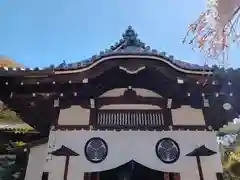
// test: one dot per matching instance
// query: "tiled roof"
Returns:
(29, 145)
(17, 127)
(129, 44)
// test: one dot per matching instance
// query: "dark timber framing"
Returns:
(38, 95)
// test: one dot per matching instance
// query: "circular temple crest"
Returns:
(167, 150)
(96, 150)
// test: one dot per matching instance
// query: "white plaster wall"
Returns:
(131, 106)
(36, 162)
(139, 91)
(57, 170)
(74, 115)
(187, 116)
(124, 146)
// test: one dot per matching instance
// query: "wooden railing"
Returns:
(130, 118)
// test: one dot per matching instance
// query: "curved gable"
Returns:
(128, 48)
(126, 56)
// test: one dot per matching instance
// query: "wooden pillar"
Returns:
(167, 117)
(87, 176)
(98, 176)
(171, 176)
(167, 113)
(93, 113)
(166, 176)
(219, 176)
(176, 176)
(91, 176)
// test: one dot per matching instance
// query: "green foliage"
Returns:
(231, 160)
(11, 172)
(7, 114)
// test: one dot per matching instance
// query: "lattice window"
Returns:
(130, 118)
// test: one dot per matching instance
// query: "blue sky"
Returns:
(44, 32)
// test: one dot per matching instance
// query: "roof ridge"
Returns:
(129, 44)
(130, 39)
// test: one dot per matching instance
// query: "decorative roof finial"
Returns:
(130, 36)
(63, 64)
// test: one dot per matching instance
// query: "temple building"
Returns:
(128, 113)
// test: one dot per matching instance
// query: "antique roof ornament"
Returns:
(63, 64)
(130, 37)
